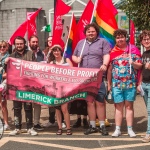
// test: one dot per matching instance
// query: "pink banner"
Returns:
(48, 84)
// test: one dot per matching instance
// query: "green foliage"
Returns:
(138, 11)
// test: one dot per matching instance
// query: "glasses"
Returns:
(2, 47)
(144, 40)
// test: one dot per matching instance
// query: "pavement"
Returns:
(48, 140)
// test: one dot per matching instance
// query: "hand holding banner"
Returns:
(48, 84)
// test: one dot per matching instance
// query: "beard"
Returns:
(34, 47)
(20, 50)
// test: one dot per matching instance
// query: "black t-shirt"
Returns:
(146, 72)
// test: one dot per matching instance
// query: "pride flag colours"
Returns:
(68, 48)
(105, 18)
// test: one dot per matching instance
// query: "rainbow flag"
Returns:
(104, 16)
(68, 48)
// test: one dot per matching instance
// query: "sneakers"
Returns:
(15, 132)
(117, 133)
(38, 127)
(32, 132)
(77, 123)
(107, 123)
(90, 130)
(85, 124)
(49, 124)
(6, 127)
(131, 134)
(97, 123)
(63, 125)
(103, 131)
(146, 139)
(18, 131)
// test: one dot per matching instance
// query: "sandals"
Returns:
(68, 132)
(59, 132)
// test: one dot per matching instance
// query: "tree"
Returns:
(138, 11)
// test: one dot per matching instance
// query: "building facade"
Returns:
(13, 13)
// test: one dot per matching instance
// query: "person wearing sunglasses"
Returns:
(3, 102)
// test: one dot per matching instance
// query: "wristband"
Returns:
(105, 65)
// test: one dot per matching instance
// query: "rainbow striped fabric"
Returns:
(104, 16)
(68, 48)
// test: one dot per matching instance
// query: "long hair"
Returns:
(52, 57)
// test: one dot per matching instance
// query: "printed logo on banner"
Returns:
(48, 84)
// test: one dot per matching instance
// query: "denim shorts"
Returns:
(101, 93)
(120, 95)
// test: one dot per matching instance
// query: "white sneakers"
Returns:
(32, 132)
(6, 127)
(117, 133)
(15, 132)
(63, 125)
(18, 131)
(131, 134)
(49, 124)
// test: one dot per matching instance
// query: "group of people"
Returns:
(125, 70)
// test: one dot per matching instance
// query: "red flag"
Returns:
(61, 9)
(21, 30)
(84, 20)
(132, 32)
(31, 16)
(109, 4)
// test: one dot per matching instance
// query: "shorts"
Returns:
(120, 95)
(101, 93)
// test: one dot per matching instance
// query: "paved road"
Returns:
(48, 140)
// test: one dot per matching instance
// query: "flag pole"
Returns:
(130, 45)
(68, 35)
(95, 5)
(130, 57)
(27, 32)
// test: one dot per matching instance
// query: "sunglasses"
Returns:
(2, 46)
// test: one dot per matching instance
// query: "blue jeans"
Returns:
(146, 88)
(101, 93)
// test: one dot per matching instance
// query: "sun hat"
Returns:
(56, 46)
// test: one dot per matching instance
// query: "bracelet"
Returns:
(105, 65)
